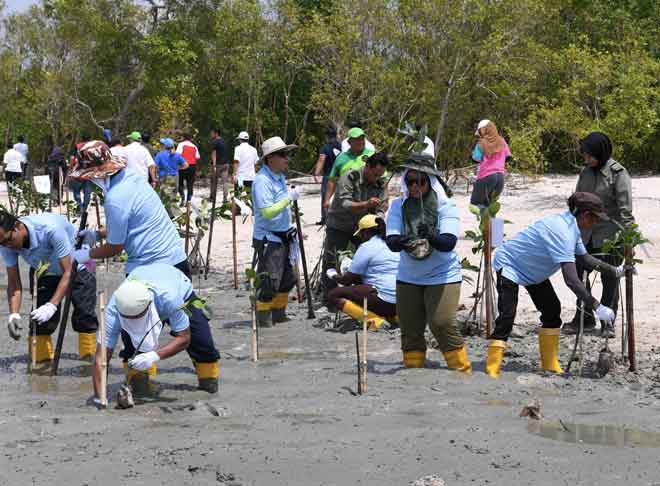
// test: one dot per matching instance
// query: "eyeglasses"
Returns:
(283, 154)
(410, 181)
(7, 238)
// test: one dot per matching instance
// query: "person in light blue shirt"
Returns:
(371, 275)
(47, 239)
(150, 297)
(529, 259)
(274, 237)
(136, 221)
(169, 163)
(423, 226)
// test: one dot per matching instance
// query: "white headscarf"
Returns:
(435, 185)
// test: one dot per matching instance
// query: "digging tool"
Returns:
(580, 334)
(310, 308)
(630, 311)
(214, 191)
(365, 314)
(233, 242)
(103, 392)
(187, 245)
(67, 300)
(359, 364)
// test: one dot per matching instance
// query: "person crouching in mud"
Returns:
(152, 296)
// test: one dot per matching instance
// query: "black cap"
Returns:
(587, 201)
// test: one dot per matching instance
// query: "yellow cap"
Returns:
(366, 222)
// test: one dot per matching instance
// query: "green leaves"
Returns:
(628, 237)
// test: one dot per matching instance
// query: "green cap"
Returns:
(135, 136)
(356, 132)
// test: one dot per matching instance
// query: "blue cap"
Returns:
(168, 142)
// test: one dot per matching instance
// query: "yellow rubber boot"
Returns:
(86, 345)
(414, 359)
(374, 321)
(549, 349)
(457, 359)
(207, 375)
(139, 380)
(494, 360)
(278, 306)
(44, 351)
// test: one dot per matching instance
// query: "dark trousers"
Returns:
(86, 188)
(13, 176)
(187, 178)
(610, 296)
(201, 348)
(335, 241)
(279, 276)
(83, 300)
(487, 189)
(357, 293)
(324, 191)
(543, 295)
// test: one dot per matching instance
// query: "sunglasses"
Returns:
(421, 182)
(282, 154)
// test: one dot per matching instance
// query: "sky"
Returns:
(18, 5)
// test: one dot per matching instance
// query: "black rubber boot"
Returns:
(574, 326)
(209, 385)
(279, 315)
(265, 318)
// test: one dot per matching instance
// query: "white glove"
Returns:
(621, 270)
(82, 255)
(345, 264)
(331, 273)
(294, 194)
(142, 362)
(89, 237)
(14, 326)
(44, 313)
(605, 314)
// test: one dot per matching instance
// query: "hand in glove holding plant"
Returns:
(142, 362)
(44, 313)
(605, 314)
(14, 326)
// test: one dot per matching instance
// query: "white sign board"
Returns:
(42, 184)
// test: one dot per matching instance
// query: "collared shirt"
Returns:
(348, 161)
(189, 151)
(170, 288)
(538, 251)
(13, 161)
(353, 187)
(51, 238)
(378, 266)
(268, 189)
(168, 163)
(612, 183)
(138, 159)
(247, 158)
(440, 267)
(22, 148)
(137, 219)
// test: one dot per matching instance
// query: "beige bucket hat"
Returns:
(274, 144)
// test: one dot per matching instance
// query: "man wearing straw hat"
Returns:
(274, 237)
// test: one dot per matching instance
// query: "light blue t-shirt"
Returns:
(51, 238)
(168, 163)
(538, 251)
(439, 267)
(137, 219)
(171, 289)
(378, 266)
(267, 189)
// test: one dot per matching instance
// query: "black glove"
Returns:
(397, 243)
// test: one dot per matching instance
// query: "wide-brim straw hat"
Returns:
(273, 145)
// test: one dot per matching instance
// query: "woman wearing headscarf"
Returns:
(422, 224)
(492, 153)
(371, 275)
(609, 180)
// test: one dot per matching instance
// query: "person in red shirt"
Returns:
(190, 153)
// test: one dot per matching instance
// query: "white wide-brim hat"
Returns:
(132, 298)
(274, 144)
(243, 136)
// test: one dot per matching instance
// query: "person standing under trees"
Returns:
(491, 153)
(609, 180)
(169, 164)
(190, 152)
(423, 225)
(274, 236)
(371, 274)
(79, 186)
(219, 159)
(21, 146)
(245, 159)
(326, 160)
(13, 161)
(139, 159)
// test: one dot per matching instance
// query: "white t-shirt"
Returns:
(138, 158)
(13, 160)
(118, 150)
(22, 148)
(247, 157)
(367, 144)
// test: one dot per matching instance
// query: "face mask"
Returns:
(144, 331)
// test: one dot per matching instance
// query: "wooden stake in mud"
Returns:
(33, 326)
(630, 311)
(103, 392)
(214, 190)
(255, 336)
(233, 242)
(359, 364)
(308, 292)
(488, 275)
(365, 315)
(66, 204)
(187, 227)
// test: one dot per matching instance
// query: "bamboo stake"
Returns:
(630, 311)
(66, 203)
(624, 327)
(214, 195)
(253, 310)
(103, 392)
(60, 187)
(33, 327)
(364, 345)
(233, 242)
(488, 277)
(187, 227)
(298, 286)
(359, 365)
